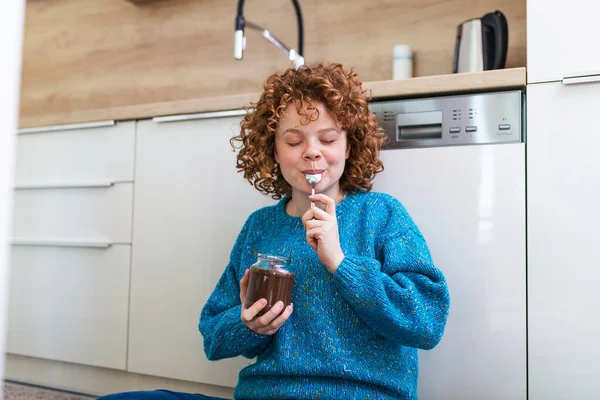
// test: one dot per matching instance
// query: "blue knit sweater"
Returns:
(353, 334)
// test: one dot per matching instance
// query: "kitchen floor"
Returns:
(13, 391)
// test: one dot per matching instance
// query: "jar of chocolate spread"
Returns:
(270, 279)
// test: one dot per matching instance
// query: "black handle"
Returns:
(495, 33)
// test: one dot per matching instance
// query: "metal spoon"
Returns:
(313, 180)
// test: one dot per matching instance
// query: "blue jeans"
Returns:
(157, 395)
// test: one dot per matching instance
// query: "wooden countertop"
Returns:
(414, 87)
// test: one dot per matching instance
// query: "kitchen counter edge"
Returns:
(503, 79)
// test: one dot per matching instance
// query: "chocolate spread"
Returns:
(269, 284)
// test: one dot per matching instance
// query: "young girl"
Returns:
(366, 295)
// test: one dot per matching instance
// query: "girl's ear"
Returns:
(347, 145)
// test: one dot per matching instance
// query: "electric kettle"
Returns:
(481, 43)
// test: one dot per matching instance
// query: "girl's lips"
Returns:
(313, 171)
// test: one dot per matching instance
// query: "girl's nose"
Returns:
(312, 152)
(312, 155)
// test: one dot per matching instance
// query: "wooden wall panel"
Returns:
(86, 55)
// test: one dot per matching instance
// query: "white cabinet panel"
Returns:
(83, 156)
(469, 203)
(562, 38)
(70, 304)
(563, 223)
(91, 214)
(190, 203)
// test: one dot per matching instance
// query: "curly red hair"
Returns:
(341, 93)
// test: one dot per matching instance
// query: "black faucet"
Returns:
(239, 42)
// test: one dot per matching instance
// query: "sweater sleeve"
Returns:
(224, 333)
(400, 295)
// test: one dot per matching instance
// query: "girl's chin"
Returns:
(305, 190)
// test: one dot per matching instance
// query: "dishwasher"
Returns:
(457, 164)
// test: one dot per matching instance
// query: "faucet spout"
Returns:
(239, 42)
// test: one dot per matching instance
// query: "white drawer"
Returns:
(76, 157)
(70, 304)
(90, 214)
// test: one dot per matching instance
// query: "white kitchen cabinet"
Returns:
(190, 202)
(84, 214)
(563, 186)
(562, 39)
(70, 304)
(71, 253)
(76, 157)
(469, 204)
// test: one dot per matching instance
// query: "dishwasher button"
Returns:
(504, 127)
(454, 130)
(471, 129)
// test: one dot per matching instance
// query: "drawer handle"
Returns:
(204, 115)
(583, 77)
(71, 185)
(68, 127)
(60, 243)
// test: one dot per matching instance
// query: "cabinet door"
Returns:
(87, 214)
(74, 157)
(190, 204)
(562, 39)
(70, 304)
(563, 186)
(469, 203)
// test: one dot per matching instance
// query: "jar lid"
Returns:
(274, 261)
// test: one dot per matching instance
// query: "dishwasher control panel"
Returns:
(468, 119)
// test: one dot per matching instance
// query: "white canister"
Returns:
(402, 62)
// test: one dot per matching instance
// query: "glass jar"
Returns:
(270, 279)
